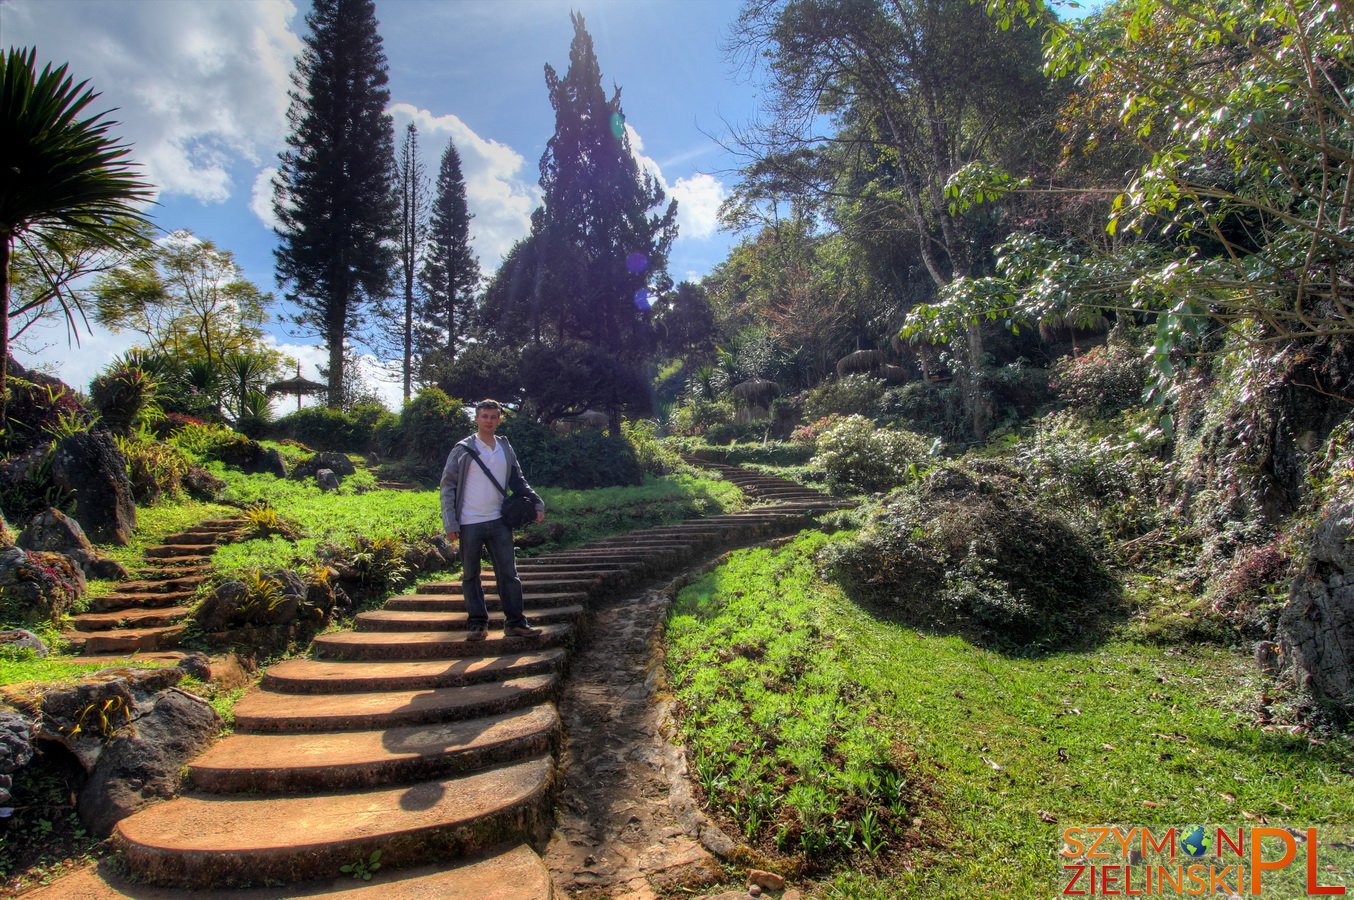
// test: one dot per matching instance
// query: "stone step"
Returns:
(425, 620)
(179, 551)
(169, 557)
(534, 600)
(282, 763)
(274, 712)
(125, 640)
(407, 645)
(515, 872)
(130, 618)
(530, 584)
(194, 538)
(332, 676)
(146, 600)
(160, 585)
(200, 841)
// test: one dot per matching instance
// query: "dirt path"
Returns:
(617, 834)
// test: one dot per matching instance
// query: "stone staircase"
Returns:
(401, 738)
(147, 615)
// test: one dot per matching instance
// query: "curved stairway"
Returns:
(146, 615)
(403, 738)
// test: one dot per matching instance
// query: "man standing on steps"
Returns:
(472, 508)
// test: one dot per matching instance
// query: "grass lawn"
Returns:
(1002, 753)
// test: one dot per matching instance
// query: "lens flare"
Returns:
(643, 299)
(636, 262)
(617, 125)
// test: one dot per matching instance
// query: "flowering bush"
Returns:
(808, 434)
(1102, 381)
(857, 455)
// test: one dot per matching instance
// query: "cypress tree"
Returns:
(451, 273)
(333, 192)
(602, 249)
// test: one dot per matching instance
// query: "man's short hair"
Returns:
(489, 404)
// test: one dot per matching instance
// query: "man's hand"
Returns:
(453, 535)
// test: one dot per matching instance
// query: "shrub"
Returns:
(654, 457)
(156, 469)
(848, 395)
(582, 459)
(202, 439)
(930, 407)
(35, 410)
(124, 396)
(698, 415)
(342, 431)
(1113, 480)
(428, 425)
(857, 455)
(975, 553)
(1101, 382)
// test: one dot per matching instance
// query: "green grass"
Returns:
(18, 668)
(1008, 750)
(574, 517)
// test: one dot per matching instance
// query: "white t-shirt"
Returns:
(483, 502)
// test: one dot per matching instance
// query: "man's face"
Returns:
(487, 420)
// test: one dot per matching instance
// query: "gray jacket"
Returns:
(458, 464)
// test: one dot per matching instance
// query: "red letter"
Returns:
(1258, 864)
(1239, 848)
(1076, 874)
(1312, 886)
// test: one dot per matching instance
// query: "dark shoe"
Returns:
(521, 631)
(476, 634)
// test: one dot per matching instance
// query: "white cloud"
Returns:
(76, 365)
(698, 200)
(698, 197)
(261, 199)
(197, 86)
(498, 195)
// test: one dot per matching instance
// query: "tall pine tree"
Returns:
(601, 248)
(411, 190)
(451, 273)
(333, 192)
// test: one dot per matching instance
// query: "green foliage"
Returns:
(76, 181)
(156, 468)
(379, 562)
(971, 550)
(653, 456)
(859, 456)
(38, 413)
(202, 439)
(345, 431)
(450, 275)
(699, 415)
(1101, 382)
(430, 424)
(580, 459)
(125, 396)
(785, 746)
(1111, 478)
(364, 867)
(857, 395)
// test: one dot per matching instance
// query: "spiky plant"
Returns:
(60, 174)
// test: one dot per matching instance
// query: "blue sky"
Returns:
(200, 89)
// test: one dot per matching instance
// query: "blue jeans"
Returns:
(497, 538)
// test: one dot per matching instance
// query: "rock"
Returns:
(338, 463)
(16, 751)
(1315, 633)
(1269, 657)
(108, 570)
(81, 716)
(142, 761)
(201, 484)
(327, 480)
(19, 639)
(90, 466)
(37, 588)
(221, 607)
(767, 881)
(55, 532)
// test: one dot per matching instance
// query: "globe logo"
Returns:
(1196, 841)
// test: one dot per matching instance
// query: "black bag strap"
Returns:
(474, 454)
